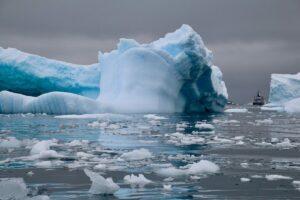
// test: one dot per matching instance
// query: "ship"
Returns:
(258, 100)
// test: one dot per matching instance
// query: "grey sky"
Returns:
(249, 39)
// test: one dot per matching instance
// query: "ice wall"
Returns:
(284, 93)
(172, 74)
(35, 75)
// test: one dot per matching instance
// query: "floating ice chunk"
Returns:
(181, 126)
(167, 187)
(204, 126)
(100, 167)
(13, 188)
(100, 185)
(236, 110)
(30, 173)
(10, 142)
(44, 164)
(184, 139)
(274, 177)
(296, 184)
(84, 155)
(57, 103)
(286, 143)
(203, 167)
(139, 180)
(244, 179)
(264, 121)
(256, 176)
(154, 117)
(244, 165)
(74, 143)
(41, 146)
(137, 154)
(37, 75)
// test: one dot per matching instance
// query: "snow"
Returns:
(274, 177)
(137, 154)
(202, 167)
(100, 185)
(284, 93)
(134, 181)
(236, 110)
(172, 74)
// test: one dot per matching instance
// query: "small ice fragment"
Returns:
(286, 143)
(245, 179)
(13, 188)
(169, 179)
(296, 184)
(100, 167)
(274, 177)
(41, 146)
(204, 127)
(264, 121)
(134, 181)
(100, 185)
(245, 165)
(236, 110)
(137, 154)
(274, 140)
(30, 173)
(10, 142)
(154, 117)
(44, 164)
(167, 187)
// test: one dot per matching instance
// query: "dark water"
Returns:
(244, 145)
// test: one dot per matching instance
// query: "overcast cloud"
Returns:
(249, 39)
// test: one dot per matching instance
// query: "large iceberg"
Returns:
(284, 93)
(34, 75)
(172, 74)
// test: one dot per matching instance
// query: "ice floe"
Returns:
(137, 154)
(139, 180)
(236, 110)
(274, 177)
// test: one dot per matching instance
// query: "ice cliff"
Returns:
(284, 93)
(34, 75)
(172, 74)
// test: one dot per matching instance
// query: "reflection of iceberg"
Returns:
(284, 93)
(172, 74)
(35, 75)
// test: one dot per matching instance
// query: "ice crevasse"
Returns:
(284, 93)
(172, 74)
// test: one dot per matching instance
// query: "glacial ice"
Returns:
(34, 75)
(284, 93)
(172, 74)
(139, 180)
(100, 185)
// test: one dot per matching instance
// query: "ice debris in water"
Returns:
(296, 184)
(236, 110)
(16, 189)
(274, 177)
(139, 180)
(284, 93)
(137, 154)
(167, 187)
(100, 185)
(184, 139)
(154, 117)
(243, 179)
(172, 74)
(41, 150)
(264, 121)
(203, 167)
(204, 126)
(10, 143)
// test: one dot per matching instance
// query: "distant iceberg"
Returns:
(172, 74)
(284, 93)
(34, 75)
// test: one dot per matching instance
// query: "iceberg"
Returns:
(172, 74)
(34, 75)
(284, 93)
